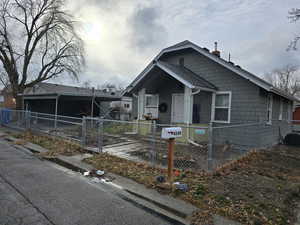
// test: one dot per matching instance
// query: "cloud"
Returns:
(147, 32)
(122, 36)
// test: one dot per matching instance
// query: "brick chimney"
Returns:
(216, 52)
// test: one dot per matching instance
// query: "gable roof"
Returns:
(194, 79)
(183, 75)
(229, 65)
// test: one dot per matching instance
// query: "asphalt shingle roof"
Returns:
(49, 88)
(186, 74)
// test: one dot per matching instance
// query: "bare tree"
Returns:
(37, 42)
(87, 84)
(286, 79)
(294, 16)
(112, 86)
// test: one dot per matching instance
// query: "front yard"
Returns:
(261, 188)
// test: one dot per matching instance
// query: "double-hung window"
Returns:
(222, 107)
(151, 100)
(289, 111)
(269, 108)
(281, 109)
(151, 105)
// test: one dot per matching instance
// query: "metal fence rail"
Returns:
(201, 147)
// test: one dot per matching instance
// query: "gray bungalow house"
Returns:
(187, 84)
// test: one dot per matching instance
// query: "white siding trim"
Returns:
(270, 109)
(280, 109)
(141, 103)
(187, 105)
(173, 109)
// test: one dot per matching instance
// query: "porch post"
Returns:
(188, 105)
(141, 103)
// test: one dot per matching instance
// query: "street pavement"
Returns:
(38, 192)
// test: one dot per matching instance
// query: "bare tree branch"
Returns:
(48, 47)
(286, 79)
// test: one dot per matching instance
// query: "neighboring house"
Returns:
(296, 114)
(122, 109)
(68, 100)
(1, 100)
(6, 99)
(187, 84)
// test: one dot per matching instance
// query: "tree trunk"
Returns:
(19, 102)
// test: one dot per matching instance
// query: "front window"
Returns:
(151, 100)
(269, 109)
(289, 117)
(151, 106)
(281, 109)
(222, 107)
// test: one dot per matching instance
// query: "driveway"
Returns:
(33, 191)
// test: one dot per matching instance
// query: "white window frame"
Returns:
(151, 106)
(289, 111)
(281, 109)
(221, 107)
(269, 109)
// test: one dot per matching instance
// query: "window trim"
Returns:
(281, 109)
(290, 112)
(221, 107)
(151, 106)
(270, 109)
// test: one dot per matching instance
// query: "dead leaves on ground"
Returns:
(263, 187)
(55, 146)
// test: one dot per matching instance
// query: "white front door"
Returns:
(177, 108)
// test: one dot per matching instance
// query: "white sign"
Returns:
(171, 132)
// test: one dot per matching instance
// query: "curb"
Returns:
(166, 212)
(172, 214)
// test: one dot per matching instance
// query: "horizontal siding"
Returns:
(249, 103)
(244, 93)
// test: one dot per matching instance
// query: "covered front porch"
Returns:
(172, 95)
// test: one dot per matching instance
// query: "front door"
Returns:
(177, 108)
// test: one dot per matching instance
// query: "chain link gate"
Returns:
(92, 133)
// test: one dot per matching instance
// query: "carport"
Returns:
(68, 100)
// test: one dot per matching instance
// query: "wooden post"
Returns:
(171, 143)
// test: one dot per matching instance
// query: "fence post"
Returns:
(25, 119)
(83, 132)
(28, 120)
(153, 153)
(100, 134)
(210, 147)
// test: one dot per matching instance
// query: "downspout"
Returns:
(188, 130)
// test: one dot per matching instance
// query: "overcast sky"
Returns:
(123, 36)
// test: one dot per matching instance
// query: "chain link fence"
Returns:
(201, 147)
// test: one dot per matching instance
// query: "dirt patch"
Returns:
(139, 172)
(55, 146)
(260, 188)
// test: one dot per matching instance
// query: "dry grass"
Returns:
(55, 146)
(260, 188)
